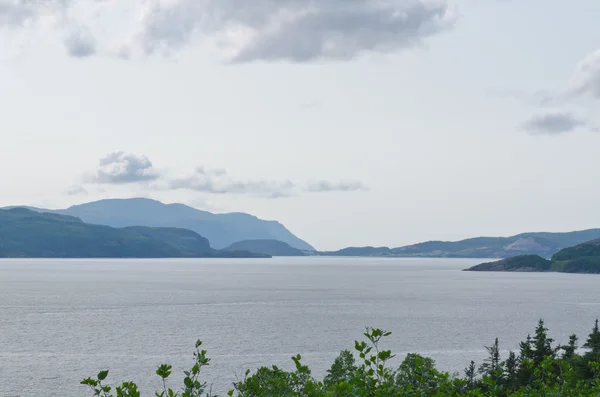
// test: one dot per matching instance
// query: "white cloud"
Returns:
(586, 79)
(122, 168)
(325, 186)
(218, 182)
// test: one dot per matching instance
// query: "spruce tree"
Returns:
(470, 373)
(593, 341)
(542, 344)
(491, 364)
(569, 350)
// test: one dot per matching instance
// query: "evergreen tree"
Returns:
(470, 373)
(491, 364)
(511, 369)
(542, 344)
(569, 350)
(526, 349)
(593, 341)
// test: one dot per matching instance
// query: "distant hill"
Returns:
(29, 234)
(542, 244)
(221, 230)
(359, 251)
(520, 263)
(269, 247)
(582, 258)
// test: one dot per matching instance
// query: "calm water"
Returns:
(63, 320)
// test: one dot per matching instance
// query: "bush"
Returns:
(537, 370)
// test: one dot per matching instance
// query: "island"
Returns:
(581, 258)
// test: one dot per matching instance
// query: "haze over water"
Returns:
(63, 320)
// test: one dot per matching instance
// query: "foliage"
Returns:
(537, 370)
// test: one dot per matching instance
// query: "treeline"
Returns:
(540, 367)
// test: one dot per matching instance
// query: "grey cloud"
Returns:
(553, 123)
(325, 186)
(586, 79)
(271, 30)
(78, 40)
(76, 191)
(80, 43)
(218, 182)
(122, 168)
(292, 30)
(16, 13)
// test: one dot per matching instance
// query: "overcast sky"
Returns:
(352, 122)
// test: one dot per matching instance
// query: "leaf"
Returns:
(102, 375)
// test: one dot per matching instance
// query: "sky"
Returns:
(352, 122)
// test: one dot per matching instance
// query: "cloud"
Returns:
(553, 123)
(78, 39)
(325, 186)
(289, 30)
(80, 43)
(77, 190)
(218, 182)
(122, 168)
(586, 79)
(16, 13)
(245, 31)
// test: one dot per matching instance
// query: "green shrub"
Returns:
(537, 370)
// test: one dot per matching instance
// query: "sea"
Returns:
(64, 320)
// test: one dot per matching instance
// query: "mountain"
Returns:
(30, 234)
(542, 244)
(268, 247)
(221, 230)
(582, 258)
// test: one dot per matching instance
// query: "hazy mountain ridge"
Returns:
(221, 230)
(543, 244)
(582, 258)
(29, 234)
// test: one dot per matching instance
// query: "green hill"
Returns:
(26, 233)
(582, 258)
(521, 263)
(268, 247)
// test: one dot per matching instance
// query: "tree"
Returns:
(342, 369)
(470, 373)
(542, 344)
(511, 366)
(593, 341)
(491, 364)
(569, 350)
